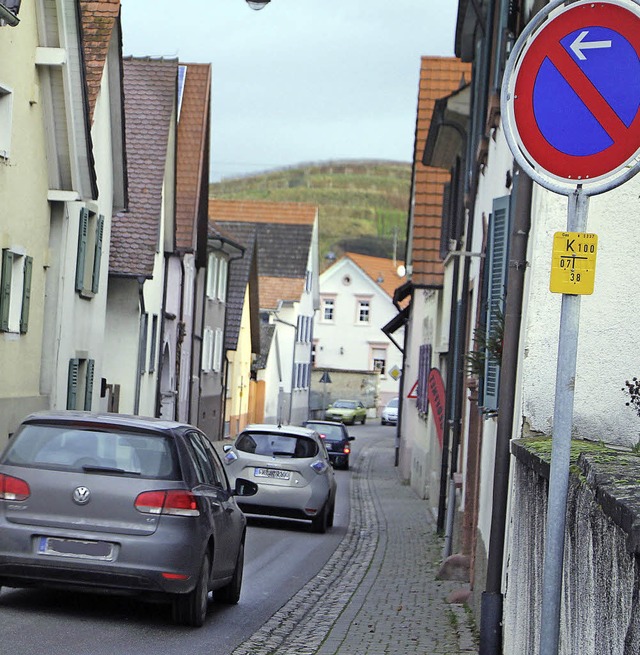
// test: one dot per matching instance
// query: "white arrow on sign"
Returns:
(579, 45)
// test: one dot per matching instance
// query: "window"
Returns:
(223, 268)
(144, 335)
(308, 281)
(304, 329)
(422, 390)
(496, 280)
(328, 306)
(212, 276)
(6, 112)
(217, 350)
(207, 350)
(363, 311)
(379, 358)
(154, 342)
(80, 384)
(314, 347)
(15, 291)
(90, 233)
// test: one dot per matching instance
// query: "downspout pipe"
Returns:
(492, 597)
(450, 397)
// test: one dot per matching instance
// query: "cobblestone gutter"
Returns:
(601, 583)
(383, 599)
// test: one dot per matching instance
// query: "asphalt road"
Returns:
(281, 557)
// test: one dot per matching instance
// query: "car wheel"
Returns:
(346, 465)
(364, 418)
(191, 609)
(230, 593)
(320, 522)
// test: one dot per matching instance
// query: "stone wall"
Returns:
(348, 385)
(601, 582)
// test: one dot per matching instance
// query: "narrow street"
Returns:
(281, 557)
(367, 586)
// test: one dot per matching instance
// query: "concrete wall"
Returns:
(600, 604)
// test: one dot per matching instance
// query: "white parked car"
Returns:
(390, 412)
(292, 470)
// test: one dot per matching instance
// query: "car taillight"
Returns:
(171, 501)
(346, 450)
(13, 488)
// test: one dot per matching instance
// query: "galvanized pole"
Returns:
(561, 446)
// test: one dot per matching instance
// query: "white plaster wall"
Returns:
(344, 344)
(24, 216)
(420, 453)
(607, 353)
(121, 339)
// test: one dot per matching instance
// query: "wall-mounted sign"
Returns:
(573, 264)
(437, 401)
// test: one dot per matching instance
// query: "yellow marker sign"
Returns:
(573, 264)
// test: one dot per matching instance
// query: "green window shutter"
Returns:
(5, 289)
(88, 388)
(26, 294)
(95, 280)
(72, 383)
(498, 255)
(82, 248)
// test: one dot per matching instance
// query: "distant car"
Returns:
(292, 470)
(390, 413)
(336, 439)
(120, 504)
(346, 411)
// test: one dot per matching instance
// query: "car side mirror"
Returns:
(227, 447)
(352, 438)
(245, 488)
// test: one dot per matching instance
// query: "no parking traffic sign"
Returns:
(571, 97)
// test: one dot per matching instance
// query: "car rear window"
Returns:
(328, 432)
(279, 445)
(73, 448)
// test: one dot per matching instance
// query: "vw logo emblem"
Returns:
(81, 495)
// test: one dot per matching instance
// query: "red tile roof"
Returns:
(284, 232)
(439, 76)
(97, 19)
(384, 272)
(192, 174)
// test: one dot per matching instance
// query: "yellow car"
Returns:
(346, 411)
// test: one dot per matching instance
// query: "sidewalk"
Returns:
(383, 599)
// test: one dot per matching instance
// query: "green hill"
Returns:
(363, 204)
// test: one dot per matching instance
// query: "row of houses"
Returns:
(123, 286)
(482, 331)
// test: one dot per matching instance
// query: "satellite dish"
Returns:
(402, 271)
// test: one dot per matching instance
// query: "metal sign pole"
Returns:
(561, 446)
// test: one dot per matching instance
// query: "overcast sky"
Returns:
(301, 80)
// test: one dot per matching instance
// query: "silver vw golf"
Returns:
(124, 504)
(292, 470)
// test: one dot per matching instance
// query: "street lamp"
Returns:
(258, 4)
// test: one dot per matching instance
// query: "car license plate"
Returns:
(101, 550)
(272, 473)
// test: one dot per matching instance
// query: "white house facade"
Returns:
(354, 307)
